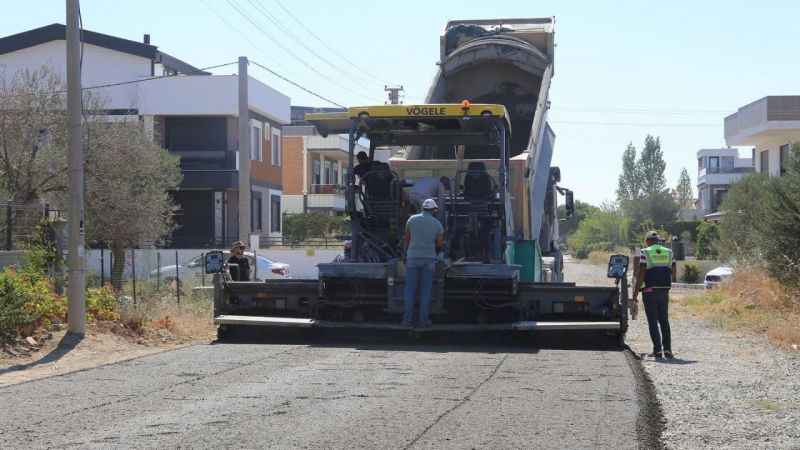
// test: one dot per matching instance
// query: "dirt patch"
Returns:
(56, 353)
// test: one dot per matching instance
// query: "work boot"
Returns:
(668, 354)
(426, 324)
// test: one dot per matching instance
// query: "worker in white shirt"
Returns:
(428, 187)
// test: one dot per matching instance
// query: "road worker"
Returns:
(428, 187)
(424, 237)
(655, 271)
(239, 265)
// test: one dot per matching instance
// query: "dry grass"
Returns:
(600, 258)
(160, 315)
(754, 302)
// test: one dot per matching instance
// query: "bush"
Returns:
(691, 273)
(740, 234)
(707, 238)
(101, 304)
(603, 230)
(27, 299)
(301, 227)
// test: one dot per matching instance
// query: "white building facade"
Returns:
(191, 113)
(771, 125)
(717, 169)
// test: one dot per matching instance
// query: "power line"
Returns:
(289, 51)
(296, 84)
(271, 71)
(120, 83)
(642, 110)
(635, 124)
(260, 8)
(325, 44)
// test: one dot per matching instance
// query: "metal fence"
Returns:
(180, 273)
(18, 223)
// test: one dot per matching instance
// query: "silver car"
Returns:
(267, 269)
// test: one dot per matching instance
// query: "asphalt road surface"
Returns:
(486, 392)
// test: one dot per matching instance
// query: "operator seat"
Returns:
(378, 182)
(477, 182)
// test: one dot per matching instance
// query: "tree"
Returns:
(128, 179)
(33, 135)
(127, 176)
(780, 229)
(743, 212)
(684, 192)
(651, 167)
(582, 211)
(707, 238)
(604, 229)
(629, 185)
(642, 187)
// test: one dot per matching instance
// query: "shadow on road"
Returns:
(65, 345)
(485, 342)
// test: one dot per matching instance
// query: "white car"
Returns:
(717, 276)
(267, 269)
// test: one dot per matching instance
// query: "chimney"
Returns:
(147, 39)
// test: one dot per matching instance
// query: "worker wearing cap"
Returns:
(655, 270)
(424, 236)
(239, 265)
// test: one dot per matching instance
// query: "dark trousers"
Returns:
(656, 306)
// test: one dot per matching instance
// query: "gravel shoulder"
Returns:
(724, 390)
(59, 355)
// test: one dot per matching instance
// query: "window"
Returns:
(256, 211)
(317, 174)
(764, 157)
(713, 164)
(275, 213)
(784, 157)
(276, 147)
(328, 172)
(335, 172)
(699, 164)
(718, 197)
(255, 144)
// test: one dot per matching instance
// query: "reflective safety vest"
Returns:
(657, 256)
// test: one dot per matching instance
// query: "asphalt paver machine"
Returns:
(484, 127)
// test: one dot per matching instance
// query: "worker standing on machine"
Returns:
(655, 270)
(428, 187)
(424, 237)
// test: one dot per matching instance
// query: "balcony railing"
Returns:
(327, 189)
(723, 170)
(208, 160)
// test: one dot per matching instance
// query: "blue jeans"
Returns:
(419, 273)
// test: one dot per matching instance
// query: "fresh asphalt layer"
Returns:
(305, 392)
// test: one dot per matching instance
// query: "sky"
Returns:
(623, 69)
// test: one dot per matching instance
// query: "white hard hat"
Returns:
(429, 204)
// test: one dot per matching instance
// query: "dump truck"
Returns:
(483, 127)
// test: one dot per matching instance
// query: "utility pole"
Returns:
(77, 275)
(244, 153)
(394, 93)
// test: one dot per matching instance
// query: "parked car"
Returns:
(267, 269)
(715, 277)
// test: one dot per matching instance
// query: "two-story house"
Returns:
(315, 167)
(188, 111)
(717, 169)
(771, 125)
